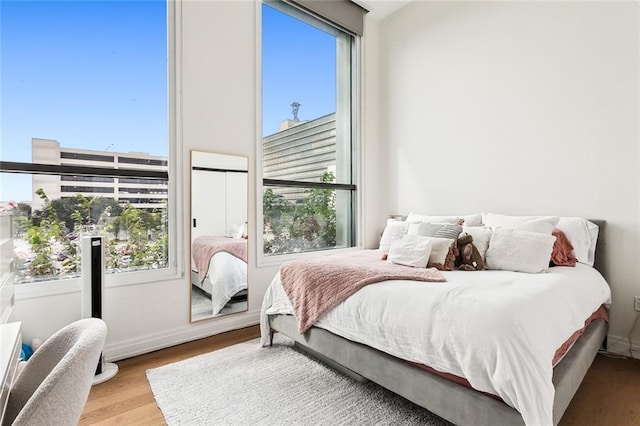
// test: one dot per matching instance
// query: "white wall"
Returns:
(375, 185)
(518, 108)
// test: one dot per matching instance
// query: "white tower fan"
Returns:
(92, 292)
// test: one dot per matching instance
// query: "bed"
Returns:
(537, 400)
(219, 268)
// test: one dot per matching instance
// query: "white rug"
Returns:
(248, 385)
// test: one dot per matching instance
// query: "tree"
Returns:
(21, 219)
(147, 239)
(277, 212)
(80, 211)
(43, 237)
(321, 205)
(306, 225)
(55, 250)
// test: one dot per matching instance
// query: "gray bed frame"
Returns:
(451, 401)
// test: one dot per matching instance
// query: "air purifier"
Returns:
(93, 277)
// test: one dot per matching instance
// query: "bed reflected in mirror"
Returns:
(219, 283)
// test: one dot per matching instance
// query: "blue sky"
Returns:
(298, 64)
(88, 74)
(93, 75)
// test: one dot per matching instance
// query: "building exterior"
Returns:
(141, 193)
(302, 151)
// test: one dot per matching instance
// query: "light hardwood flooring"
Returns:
(609, 395)
(126, 399)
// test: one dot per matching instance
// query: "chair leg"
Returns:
(271, 333)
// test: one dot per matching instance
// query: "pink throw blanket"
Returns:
(203, 249)
(315, 285)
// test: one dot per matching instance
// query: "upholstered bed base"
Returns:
(454, 402)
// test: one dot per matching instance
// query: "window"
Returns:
(86, 179)
(142, 161)
(93, 78)
(309, 122)
(89, 157)
(143, 190)
(99, 189)
(141, 181)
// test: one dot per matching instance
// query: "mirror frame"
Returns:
(193, 319)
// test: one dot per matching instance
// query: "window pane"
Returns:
(85, 84)
(47, 234)
(299, 220)
(306, 94)
(307, 132)
(89, 74)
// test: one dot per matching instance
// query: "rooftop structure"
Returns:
(301, 150)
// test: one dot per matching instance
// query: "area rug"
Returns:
(249, 385)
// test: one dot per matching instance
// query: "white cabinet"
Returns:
(236, 199)
(208, 209)
(219, 202)
(10, 345)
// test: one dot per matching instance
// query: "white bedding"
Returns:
(498, 329)
(227, 275)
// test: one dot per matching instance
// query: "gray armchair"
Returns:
(54, 384)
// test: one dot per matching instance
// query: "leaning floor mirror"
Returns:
(219, 194)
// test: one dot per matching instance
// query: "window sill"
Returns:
(277, 260)
(69, 286)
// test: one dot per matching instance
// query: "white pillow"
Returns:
(392, 232)
(582, 235)
(413, 251)
(439, 251)
(439, 230)
(481, 237)
(541, 224)
(237, 231)
(472, 219)
(519, 251)
(416, 217)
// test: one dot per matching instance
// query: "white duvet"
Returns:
(228, 275)
(498, 329)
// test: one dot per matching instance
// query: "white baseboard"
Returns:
(188, 333)
(620, 346)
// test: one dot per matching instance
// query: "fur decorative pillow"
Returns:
(519, 251)
(562, 254)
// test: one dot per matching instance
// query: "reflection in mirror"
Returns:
(218, 234)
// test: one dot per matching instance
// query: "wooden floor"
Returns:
(127, 399)
(609, 395)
